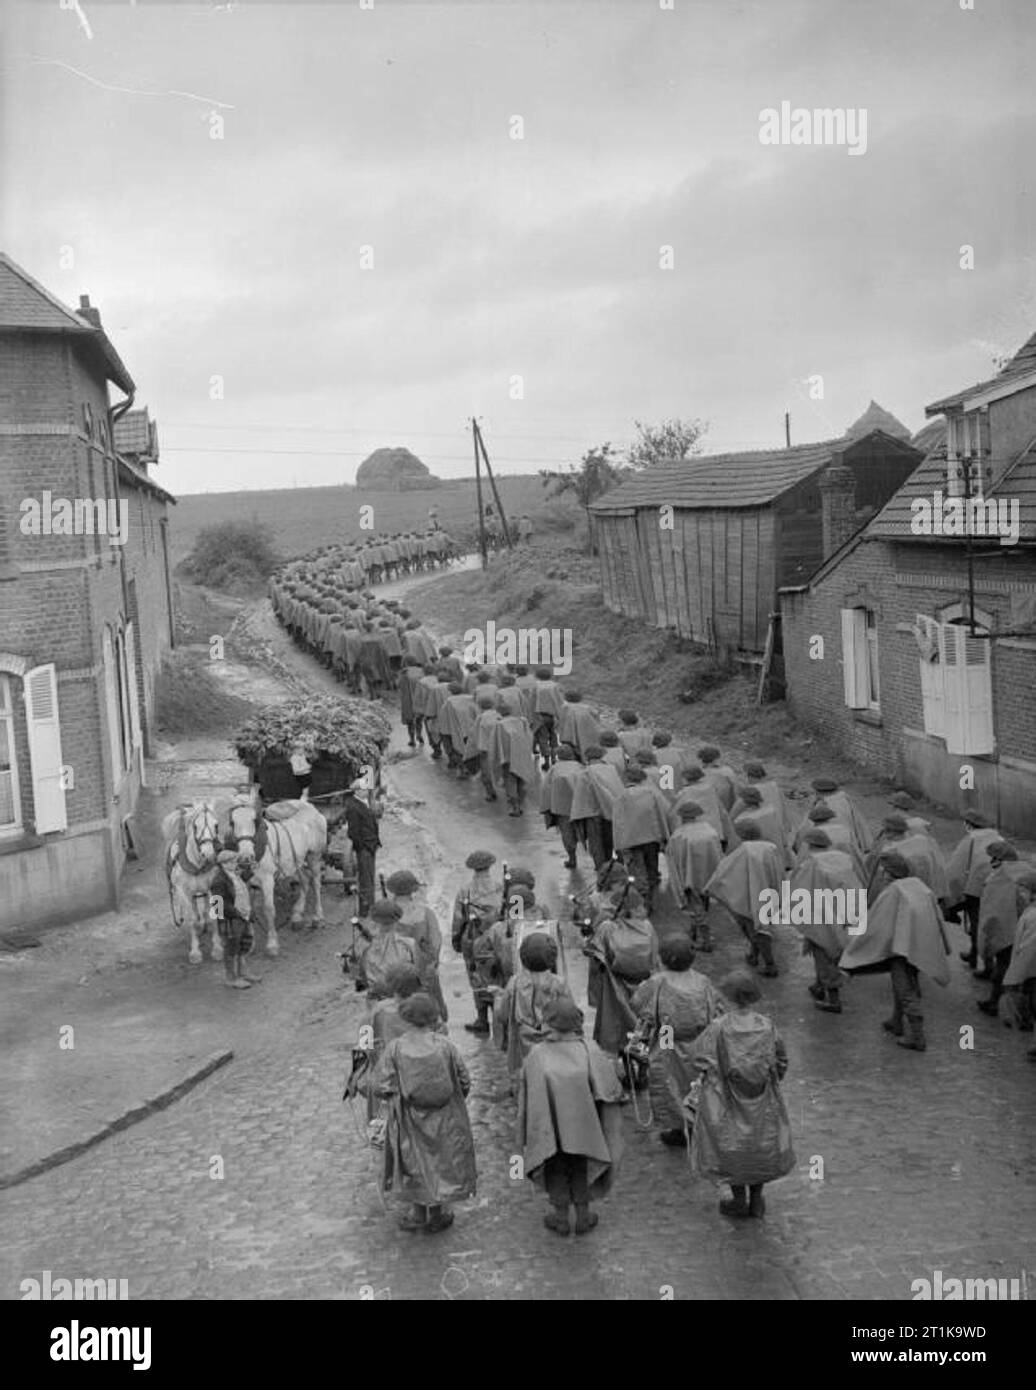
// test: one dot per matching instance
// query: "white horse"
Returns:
(288, 841)
(191, 836)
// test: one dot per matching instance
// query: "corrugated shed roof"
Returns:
(1023, 362)
(26, 305)
(721, 480)
(1019, 481)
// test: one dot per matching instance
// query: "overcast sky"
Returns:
(496, 257)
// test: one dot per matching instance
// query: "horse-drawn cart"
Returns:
(314, 749)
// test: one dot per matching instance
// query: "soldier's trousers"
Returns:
(568, 835)
(642, 862)
(486, 772)
(828, 974)
(514, 790)
(546, 738)
(567, 1180)
(906, 990)
(598, 833)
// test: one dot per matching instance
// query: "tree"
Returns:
(233, 555)
(672, 439)
(597, 472)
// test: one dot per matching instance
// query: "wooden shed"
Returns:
(702, 545)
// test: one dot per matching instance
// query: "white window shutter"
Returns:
(44, 727)
(134, 702)
(978, 690)
(854, 657)
(111, 699)
(951, 654)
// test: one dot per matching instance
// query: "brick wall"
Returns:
(898, 582)
(57, 594)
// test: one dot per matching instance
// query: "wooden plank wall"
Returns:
(712, 577)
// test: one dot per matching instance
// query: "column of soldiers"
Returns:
(635, 802)
(326, 603)
(659, 1024)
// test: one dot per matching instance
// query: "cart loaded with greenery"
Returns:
(320, 744)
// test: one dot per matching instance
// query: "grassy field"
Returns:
(304, 518)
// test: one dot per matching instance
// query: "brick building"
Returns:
(879, 651)
(84, 623)
(702, 544)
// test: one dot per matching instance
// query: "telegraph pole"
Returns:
(481, 443)
(478, 495)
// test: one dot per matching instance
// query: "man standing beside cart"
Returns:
(362, 827)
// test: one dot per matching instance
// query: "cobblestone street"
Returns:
(927, 1160)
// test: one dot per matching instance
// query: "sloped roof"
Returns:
(26, 306)
(133, 432)
(876, 417)
(136, 477)
(1019, 481)
(928, 436)
(1023, 363)
(720, 480)
(751, 479)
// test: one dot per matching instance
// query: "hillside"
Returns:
(304, 518)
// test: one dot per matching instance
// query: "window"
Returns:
(956, 684)
(860, 658)
(10, 803)
(967, 437)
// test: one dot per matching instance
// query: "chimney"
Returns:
(837, 505)
(88, 312)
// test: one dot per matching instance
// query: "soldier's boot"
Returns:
(914, 1040)
(894, 1025)
(817, 990)
(481, 1024)
(756, 1204)
(439, 1219)
(413, 1219)
(586, 1220)
(737, 1203)
(832, 1004)
(557, 1219)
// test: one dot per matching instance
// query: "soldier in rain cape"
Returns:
(514, 755)
(673, 1006)
(693, 855)
(577, 724)
(429, 1149)
(593, 801)
(826, 871)
(739, 882)
(741, 1135)
(569, 1118)
(906, 938)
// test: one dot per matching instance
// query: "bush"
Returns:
(233, 555)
